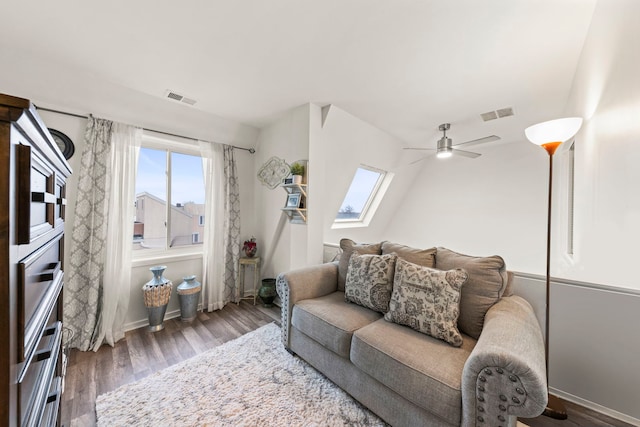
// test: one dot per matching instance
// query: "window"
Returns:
(362, 195)
(169, 199)
(570, 195)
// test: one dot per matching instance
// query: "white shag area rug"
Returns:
(250, 381)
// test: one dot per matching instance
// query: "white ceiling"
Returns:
(403, 65)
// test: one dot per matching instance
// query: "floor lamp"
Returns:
(549, 135)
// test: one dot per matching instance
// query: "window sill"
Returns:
(350, 224)
(164, 257)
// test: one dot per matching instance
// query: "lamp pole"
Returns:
(555, 408)
(549, 135)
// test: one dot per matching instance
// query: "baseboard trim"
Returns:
(595, 407)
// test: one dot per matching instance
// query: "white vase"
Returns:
(297, 179)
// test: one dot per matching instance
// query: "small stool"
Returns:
(242, 263)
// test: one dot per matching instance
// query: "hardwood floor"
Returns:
(577, 416)
(141, 353)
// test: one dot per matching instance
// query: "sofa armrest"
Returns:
(304, 283)
(505, 375)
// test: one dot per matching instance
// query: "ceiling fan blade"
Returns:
(479, 141)
(465, 153)
(420, 159)
(418, 149)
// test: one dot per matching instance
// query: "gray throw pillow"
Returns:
(348, 247)
(423, 257)
(487, 282)
(369, 281)
(427, 300)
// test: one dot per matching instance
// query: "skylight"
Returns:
(362, 193)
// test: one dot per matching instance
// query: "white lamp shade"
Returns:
(559, 130)
(443, 154)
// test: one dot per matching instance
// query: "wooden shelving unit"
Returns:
(297, 215)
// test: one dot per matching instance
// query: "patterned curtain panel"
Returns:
(85, 266)
(231, 224)
(222, 232)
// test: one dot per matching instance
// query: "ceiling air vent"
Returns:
(505, 112)
(491, 115)
(498, 114)
(180, 98)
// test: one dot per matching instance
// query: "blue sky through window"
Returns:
(187, 178)
(187, 182)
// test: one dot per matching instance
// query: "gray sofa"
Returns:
(409, 378)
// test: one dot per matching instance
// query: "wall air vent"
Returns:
(179, 98)
(498, 114)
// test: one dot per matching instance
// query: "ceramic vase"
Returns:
(250, 249)
(267, 292)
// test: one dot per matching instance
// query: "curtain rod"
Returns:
(250, 150)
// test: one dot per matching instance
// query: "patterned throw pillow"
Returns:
(369, 281)
(427, 300)
(350, 247)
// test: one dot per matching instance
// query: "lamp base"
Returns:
(555, 409)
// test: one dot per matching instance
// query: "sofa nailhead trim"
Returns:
(488, 403)
(282, 288)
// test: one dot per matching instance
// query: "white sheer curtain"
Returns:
(213, 268)
(221, 226)
(125, 148)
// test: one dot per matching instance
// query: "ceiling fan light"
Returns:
(444, 154)
(559, 130)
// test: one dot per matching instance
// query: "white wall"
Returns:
(348, 142)
(282, 246)
(494, 204)
(606, 93)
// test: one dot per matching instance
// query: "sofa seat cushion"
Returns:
(422, 369)
(331, 321)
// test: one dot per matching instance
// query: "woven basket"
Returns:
(157, 295)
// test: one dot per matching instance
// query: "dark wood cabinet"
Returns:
(33, 175)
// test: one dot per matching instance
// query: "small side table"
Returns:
(242, 263)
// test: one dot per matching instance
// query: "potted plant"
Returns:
(297, 171)
(250, 247)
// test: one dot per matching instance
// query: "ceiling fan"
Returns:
(446, 148)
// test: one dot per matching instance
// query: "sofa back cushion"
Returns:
(427, 300)
(487, 282)
(423, 257)
(348, 247)
(370, 280)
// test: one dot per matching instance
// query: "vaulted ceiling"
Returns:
(403, 65)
